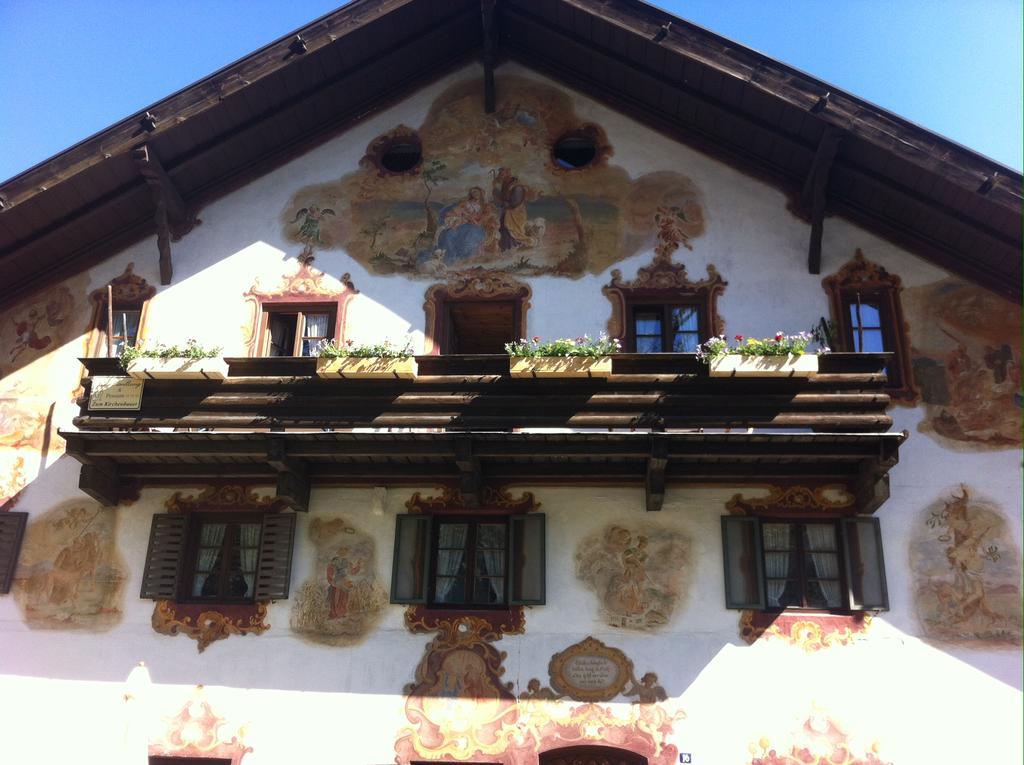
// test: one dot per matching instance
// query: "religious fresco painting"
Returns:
(966, 355)
(818, 740)
(487, 193)
(967, 572)
(70, 574)
(343, 600)
(460, 709)
(809, 632)
(638, 572)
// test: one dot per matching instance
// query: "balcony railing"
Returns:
(464, 421)
(654, 392)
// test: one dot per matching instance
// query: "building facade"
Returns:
(654, 567)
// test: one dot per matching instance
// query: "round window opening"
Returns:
(401, 157)
(573, 152)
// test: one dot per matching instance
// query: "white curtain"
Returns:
(249, 538)
(316, 328)
(825, 564)
(493, 560)
(450, 561)
(210, 541)
(776, 564)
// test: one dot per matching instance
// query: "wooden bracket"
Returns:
(470, 473)
(172, 216)
(813, 197)
(654, 486)
(871, 489)
(101, 482)
(292, 477)
(487, 16)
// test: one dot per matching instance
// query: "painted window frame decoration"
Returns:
(861, 280)
(664, 285)
(305, 289)
(130, 293)
(476, 286)
(858, 546)
(170, 551)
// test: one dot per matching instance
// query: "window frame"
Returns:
(800, 551)
(470, 553)
(190, 558)
(634, 306)
(872, 282)
(734, 569)
(428, 554)
(130, 293)
(301, 309)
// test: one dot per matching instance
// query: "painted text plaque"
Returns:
(115, 393)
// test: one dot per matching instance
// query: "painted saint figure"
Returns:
(511, 196)
(309, 230)
(341, 582)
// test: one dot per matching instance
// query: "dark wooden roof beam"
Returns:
(172, 216)
(813, 197)
(489, 44)
(654, 483)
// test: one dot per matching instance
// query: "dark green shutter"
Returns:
(410, 570)
(744, 568)
(12, 529)
(865, 565)
(164, 558)
(274, 570)
(526, 557)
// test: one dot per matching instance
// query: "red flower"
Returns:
(778, 336)
(536, 339)
(739, 338)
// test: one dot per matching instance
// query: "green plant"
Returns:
(191, 350)
(385, 350)
(779, 345)
(565, 346)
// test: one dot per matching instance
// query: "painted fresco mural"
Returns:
(638, 572)
(30, 333)
(70, 574)
(966, 353)
(819, 740)
(967, 572)
(488, 194)
(807, 631)
(460, 709)
(343, 600)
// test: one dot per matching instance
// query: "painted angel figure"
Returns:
(309, 230)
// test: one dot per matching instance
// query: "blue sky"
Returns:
(72, 67)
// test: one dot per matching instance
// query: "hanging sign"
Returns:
(115, 393)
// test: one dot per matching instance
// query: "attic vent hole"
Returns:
(574, 151)
(401, 157)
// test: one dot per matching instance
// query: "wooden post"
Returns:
(487, 15)
(813, 197)
(110, 321)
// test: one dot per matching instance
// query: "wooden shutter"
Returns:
(744, 568)
(865, 566)
(165, 555)
(526, 556)
(12, 529)
(274, 571)
(410, 570)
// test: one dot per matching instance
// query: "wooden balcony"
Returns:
(658, 419)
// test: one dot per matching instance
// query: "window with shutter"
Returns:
(219, 557)
(828, 565)
(12, 531)
(456, 561)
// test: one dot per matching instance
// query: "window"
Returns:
(469, 562)
(130, 295)
(480, 327)
(666, 329)
(297, 330)
(868, 318)
(12, 530)
(219, 557)
(832, 565)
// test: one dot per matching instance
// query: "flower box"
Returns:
(560, 366)
(178, 368)
(367, 367)
(738, 365)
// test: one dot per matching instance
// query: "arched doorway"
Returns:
(591, 755)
